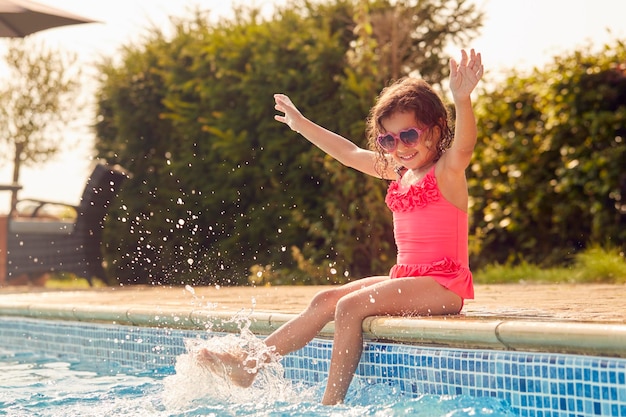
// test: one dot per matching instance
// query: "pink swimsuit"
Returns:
(431, 236)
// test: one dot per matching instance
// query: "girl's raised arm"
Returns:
(333, 144)
(464, 77)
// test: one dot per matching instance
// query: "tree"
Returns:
(548, 178)
(412, 36)
(37, 101)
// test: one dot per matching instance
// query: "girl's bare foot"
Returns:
(228, 365)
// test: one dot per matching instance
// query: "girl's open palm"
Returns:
(465, 75)
(291, 113)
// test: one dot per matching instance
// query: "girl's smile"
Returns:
(407, 157)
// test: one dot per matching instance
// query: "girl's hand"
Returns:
(291, 114)
(465, 75)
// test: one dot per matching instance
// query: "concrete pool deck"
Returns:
(568, 318)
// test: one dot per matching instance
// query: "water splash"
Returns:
(193, 385)
(199, 301)
(190, 289)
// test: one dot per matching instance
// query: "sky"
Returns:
(519, 34)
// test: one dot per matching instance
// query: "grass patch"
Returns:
(600, 265)
(594, 265)
(515, 274)
(64, 281)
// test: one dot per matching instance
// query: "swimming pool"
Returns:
(527, 383)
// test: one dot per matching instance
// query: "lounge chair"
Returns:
(37, 244)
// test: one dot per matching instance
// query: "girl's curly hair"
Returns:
(408, 95)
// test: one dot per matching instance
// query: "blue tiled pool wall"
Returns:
(534, 384)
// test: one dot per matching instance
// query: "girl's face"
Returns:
(411, 156)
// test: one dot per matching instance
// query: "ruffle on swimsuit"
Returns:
(444, 266)
(417, 196)
(446, 272)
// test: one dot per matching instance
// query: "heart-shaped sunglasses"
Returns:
(389, 141)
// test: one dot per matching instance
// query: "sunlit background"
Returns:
(517, 34)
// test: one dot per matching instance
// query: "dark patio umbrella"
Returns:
(19, 18)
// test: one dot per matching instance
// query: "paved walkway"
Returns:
(598, 303)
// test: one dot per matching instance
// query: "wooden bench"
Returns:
(37, 245)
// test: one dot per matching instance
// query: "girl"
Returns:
(410, 143)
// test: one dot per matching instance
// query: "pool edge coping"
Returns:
(494, 333)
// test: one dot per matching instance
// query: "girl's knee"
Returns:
(324, 301)
(349, 308)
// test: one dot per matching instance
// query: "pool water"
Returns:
(36, 385)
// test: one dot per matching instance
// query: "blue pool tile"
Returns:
(604, 377)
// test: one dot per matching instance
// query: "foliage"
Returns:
(548, 177)
(220, 190)
(37, 101)
(142, 143)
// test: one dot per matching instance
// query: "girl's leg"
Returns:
(299, 331)
(400, 296)
(292, 336)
